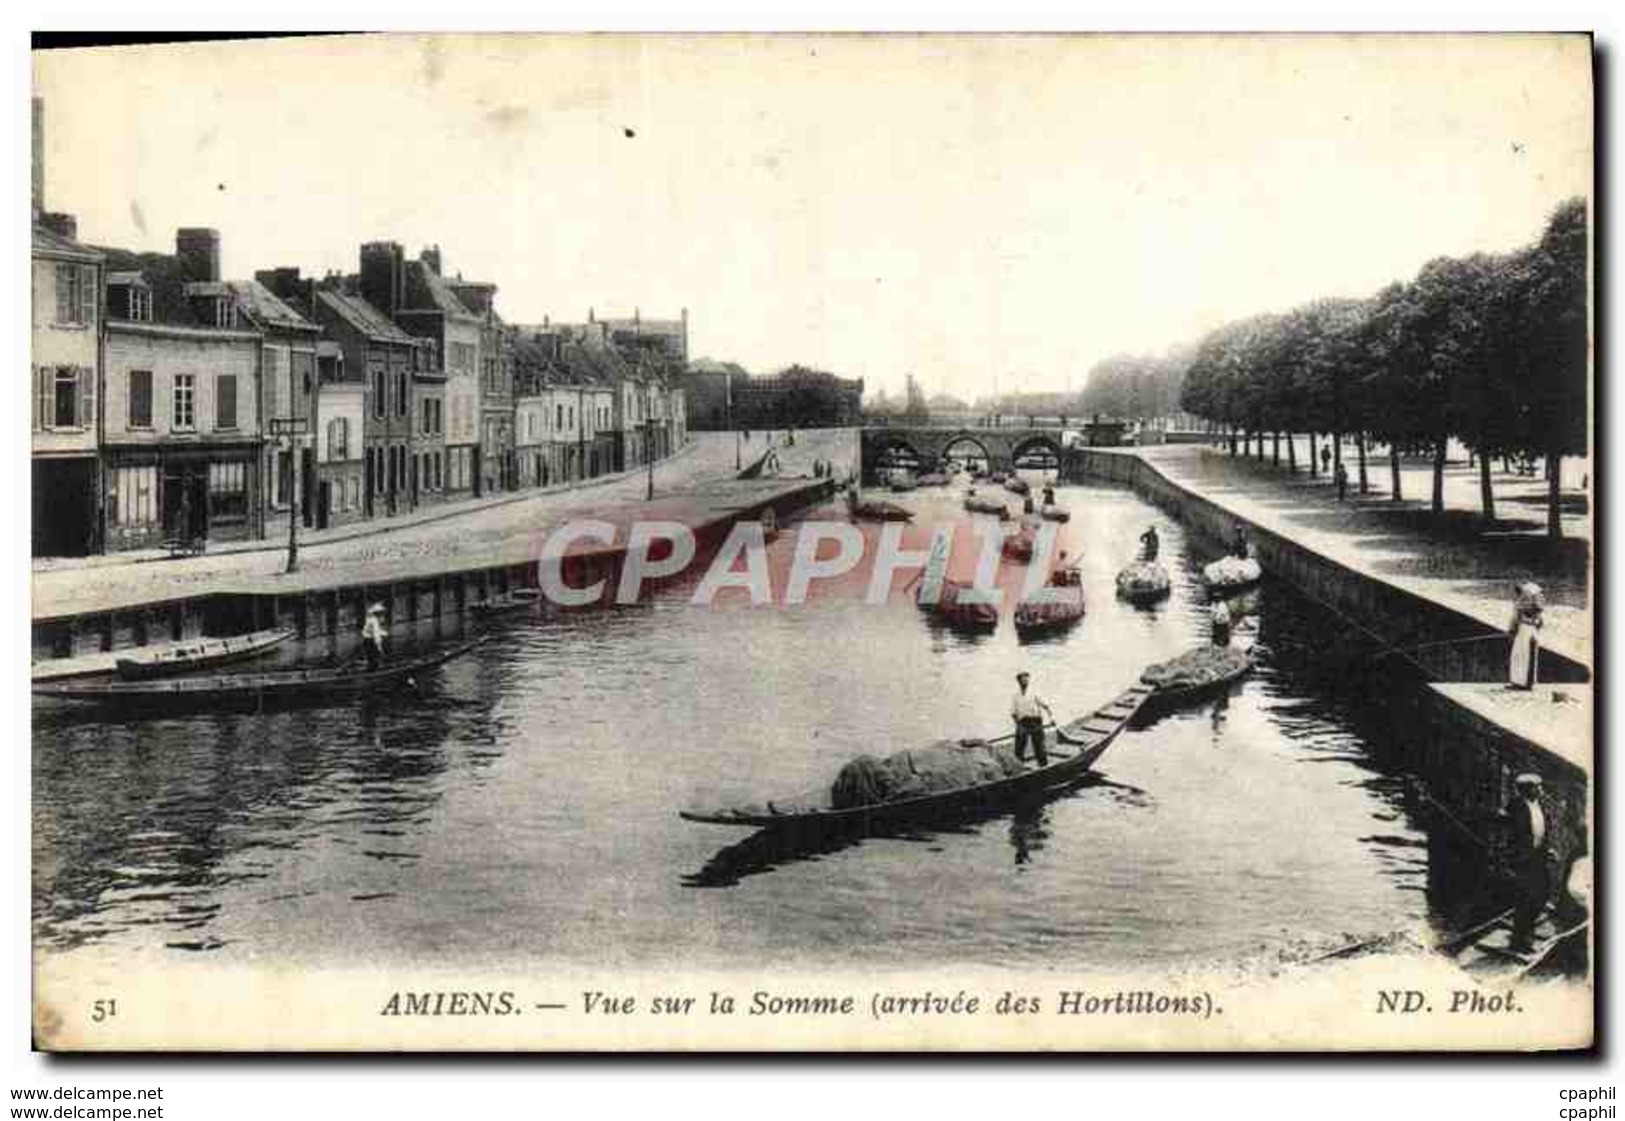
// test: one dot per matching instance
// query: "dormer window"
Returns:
(225, 312)
(140, 305)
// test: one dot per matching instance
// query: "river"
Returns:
(523, 809)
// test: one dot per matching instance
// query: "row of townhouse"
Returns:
(164, 394)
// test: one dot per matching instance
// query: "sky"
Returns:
(987, 213)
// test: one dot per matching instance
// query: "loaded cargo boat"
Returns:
(1087, 738)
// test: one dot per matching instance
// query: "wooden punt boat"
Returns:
(958, 612)
(1055, 513)
(255, 688)
(1034, 619)
(1077, 747)
(876, 510)
(978, 505)
(519, 599)
(184, 657)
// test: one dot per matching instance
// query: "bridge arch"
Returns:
(1033, 442)
(963, 439)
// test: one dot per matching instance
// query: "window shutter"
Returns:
(44, 378)
(87, 397)
(87, 294)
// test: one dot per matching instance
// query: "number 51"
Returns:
(102, 1010)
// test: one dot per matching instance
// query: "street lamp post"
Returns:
(649, 456)
(287, 430)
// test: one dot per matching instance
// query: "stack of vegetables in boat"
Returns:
(1054, 512)
(1198, 671)
(1059, 606)
(1232, 573)
(977, 504)
(1015, 484)
(1143, 582)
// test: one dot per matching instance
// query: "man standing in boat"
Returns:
(1149, 544)
(373, 635)
(1027, 709)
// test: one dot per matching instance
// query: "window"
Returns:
(140, 399)
(133, 498)
(338, 438)
(400, 394)
(225, 401)
(271, 379)
(379, 395)
(439, 416)
(75, 295)
(560, 425)
(228, 492)
(225, 312)
(184, 414)
(65, 398)
(140, 304)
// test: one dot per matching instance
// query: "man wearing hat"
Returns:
(1529, 852)
(373, 635)
(1027, 710)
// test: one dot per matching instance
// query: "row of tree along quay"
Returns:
(1490, 350)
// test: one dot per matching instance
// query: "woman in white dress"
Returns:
(1525, 630)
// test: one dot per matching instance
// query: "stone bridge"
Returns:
(999, 447)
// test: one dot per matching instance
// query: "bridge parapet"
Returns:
(931, 444)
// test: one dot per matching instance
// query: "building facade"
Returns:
(66, 369)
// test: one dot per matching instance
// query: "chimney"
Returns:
(431, 258)
(63, 225)
(287, 285)
(383, 276)
(39, 157)
(198, 250)
(589, 316)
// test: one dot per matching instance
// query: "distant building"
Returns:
(797, 397)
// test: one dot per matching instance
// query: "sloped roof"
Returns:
(130, 278)
(441, 297)
(266, 308)
(49, 241)
(361, 315)
(163, 275)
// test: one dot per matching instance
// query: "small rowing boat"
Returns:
(1196, 673)
(296, 685)
(976, 504)
(184, 657)
(1015, 484)
(519, 599)
(957, 609)
(876, 510)
(1061, 607)
(1076, 748)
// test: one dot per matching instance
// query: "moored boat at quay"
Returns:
(185, 657)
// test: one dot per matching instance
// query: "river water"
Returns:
(523, 809)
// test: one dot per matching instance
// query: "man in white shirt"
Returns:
(1530, 846)
(373, 635)
(1027, 709)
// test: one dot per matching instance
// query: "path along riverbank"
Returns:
(1424, 596)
